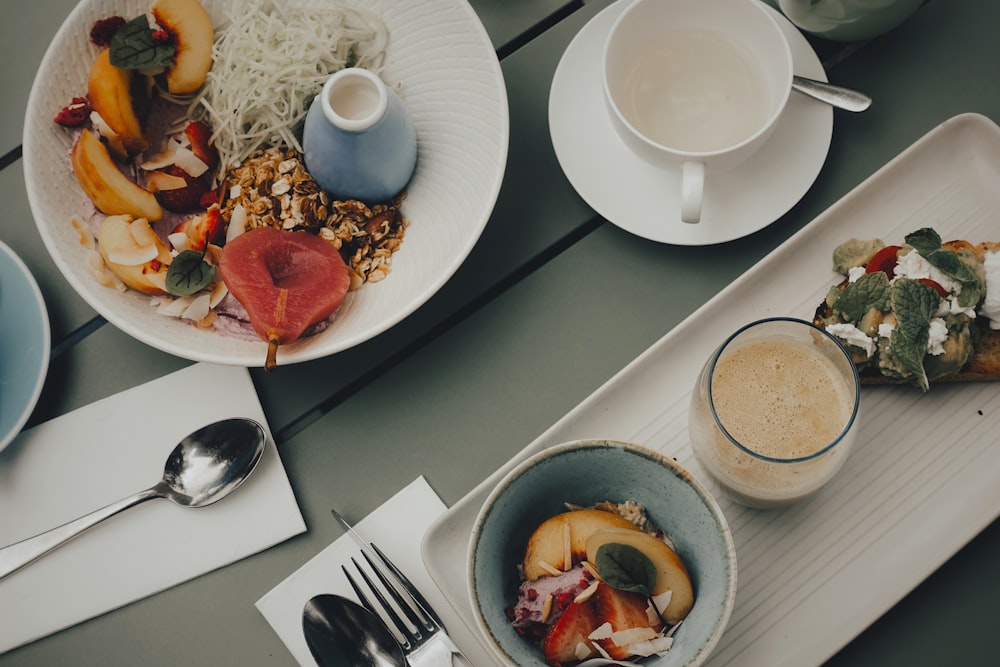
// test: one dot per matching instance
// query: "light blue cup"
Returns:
(585, 472)
(358, 139)
(847, 20)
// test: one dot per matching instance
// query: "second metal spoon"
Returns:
(842, 98)
(203, 468)
(342, 633)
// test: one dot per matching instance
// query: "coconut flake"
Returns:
(160, 181)
(546, 608)
(586, 593)
(180, 241)
(174, 307)
(189, 162)
(603, 631)
(159, 160)
(199, 307)
(548, 567)
(237, 222)
(567, 546)
(582, 651)
(219, 293)
(632, 635)
(662, 600)
(657, 645)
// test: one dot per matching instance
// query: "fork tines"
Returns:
(420, 620)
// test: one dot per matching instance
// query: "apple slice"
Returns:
(191, 30)
(110, 190)
(548, 544)
(671, 574)
(110, 92)
(287, 281)
(134, 253)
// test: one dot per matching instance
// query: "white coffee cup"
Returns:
(696, 85)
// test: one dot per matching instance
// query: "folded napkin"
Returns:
(86, 459)
(397, 527)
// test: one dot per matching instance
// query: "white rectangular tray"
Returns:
(922, 481)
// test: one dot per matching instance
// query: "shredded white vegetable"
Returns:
(269, 61)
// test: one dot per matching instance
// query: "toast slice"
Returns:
(971, 350)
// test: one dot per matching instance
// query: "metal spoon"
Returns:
(204, 467)
(342, 633)
(842, 98)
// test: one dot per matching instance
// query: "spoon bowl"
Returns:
(342, 633)
(203, 468)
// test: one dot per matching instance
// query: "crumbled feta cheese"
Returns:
(913, 265)
(991, 305)
(938, 335)
(885, 329)
(852, 335)
(854, 273)
(950, 305)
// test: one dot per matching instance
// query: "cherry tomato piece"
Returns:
(936, 286)
(884, 260)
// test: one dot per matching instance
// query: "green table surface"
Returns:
(509, 344)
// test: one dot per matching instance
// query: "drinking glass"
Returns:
(774, 413)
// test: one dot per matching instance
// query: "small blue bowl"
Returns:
(585, 472)
(24, 344)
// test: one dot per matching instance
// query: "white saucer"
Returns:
(643, 199)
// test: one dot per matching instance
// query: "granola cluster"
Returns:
(274, 189)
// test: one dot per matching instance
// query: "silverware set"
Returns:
(394, 626)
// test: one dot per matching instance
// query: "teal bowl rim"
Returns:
(39, 318)
(601, 443)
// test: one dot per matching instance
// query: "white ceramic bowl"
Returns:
(452, 85)
(585, 472)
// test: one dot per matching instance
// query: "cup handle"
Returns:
(692, 191)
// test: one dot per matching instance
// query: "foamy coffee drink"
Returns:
(773, 416)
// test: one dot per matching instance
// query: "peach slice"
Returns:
(565, 535)
(189, 25)
(110, 190)
(671, 574)
(110, 92)
(134, 253)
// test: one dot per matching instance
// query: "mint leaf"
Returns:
(928, 243)
(914, 304)
(924, 240)
(869, 291)
(626, 568)
(188, 273)
(133, 47)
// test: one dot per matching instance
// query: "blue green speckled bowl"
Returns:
(585, 472)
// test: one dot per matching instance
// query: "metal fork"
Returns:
(412, 621)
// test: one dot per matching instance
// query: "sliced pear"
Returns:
(110, 93)
(567, 531)
(671, 574)
(110, 190)
(191, 29)
(134, 253)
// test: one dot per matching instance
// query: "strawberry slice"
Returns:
(186, 199)
(202, 229)
(572, 628)
(199, 135)
(624, 610)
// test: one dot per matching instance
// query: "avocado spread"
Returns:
(919, 321)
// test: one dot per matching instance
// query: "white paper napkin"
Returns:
(86, 459)
(397, 527)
